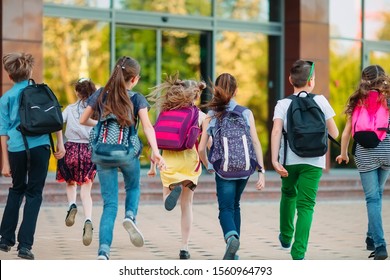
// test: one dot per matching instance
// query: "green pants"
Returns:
(299, 191)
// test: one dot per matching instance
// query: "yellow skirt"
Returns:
(181, 166)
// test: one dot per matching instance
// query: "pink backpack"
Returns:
(370, 122)
(177, 129)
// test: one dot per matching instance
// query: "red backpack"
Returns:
(370, 121)
(177, 129)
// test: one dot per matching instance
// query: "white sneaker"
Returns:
(103, 256)
(135, 234)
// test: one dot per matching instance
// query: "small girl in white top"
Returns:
(76, 167)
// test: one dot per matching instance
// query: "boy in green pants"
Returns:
(300, 175)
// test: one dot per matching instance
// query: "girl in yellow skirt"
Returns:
(180, 178)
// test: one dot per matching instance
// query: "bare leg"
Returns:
(186, 216)
(86, 200)
(71, 193)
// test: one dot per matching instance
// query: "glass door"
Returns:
(377, 53)
(164, 52)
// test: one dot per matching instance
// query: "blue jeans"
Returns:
(108, 178)
(229, 195)
(373, 184)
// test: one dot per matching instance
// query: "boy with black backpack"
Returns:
(28, 175)
(301, 126)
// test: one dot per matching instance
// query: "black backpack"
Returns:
(39, 111)
(307, 134)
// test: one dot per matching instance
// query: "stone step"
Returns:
(335, 185)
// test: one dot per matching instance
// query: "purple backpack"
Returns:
(232, 154)
(177, 129)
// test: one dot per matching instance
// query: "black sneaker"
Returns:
(184, 255)
(370, 244)
(25, 253)
(232, 246)
(87, 233)
(284, 244)
(4, 247)
(380, 253)
(171, 200)
(71, 215)
(191, 186)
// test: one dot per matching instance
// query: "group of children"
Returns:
(179, 170)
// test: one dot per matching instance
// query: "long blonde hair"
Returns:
(175, 93)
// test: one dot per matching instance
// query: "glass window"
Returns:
(344, 24)
(377, 20)
(245, 56)
(179, 7)
(83, 3)
(86, 54)
(380, 58)
(139, 44)
(345, 65)
(250, 10)
(181, 53)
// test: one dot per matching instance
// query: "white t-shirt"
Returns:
(75, 132)
(280, 112)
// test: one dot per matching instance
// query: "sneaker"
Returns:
(25, 253)
(87, 232)
(184, 255)
(232, 246)
(103, 256)
(71, 215)
(191, 186)
(380, 253)
(4, 247)
(370, 244)
(171, 200)
(283, 244)
(135, 234)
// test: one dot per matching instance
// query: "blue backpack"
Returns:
(232, 154)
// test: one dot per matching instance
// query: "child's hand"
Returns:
(152, 171)
(280, 169)
(341, 158)
(159, 161)
(60, 152)
(6, 171)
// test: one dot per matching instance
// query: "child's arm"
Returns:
(276, 137)
(85, 118)
(152, 169)
(60, 151)
(260, 184)
(6, 171)
(151, 136)
(204, 143)
(345, 137)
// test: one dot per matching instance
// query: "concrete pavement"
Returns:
(338, 233)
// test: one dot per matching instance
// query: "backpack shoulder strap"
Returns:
(239, 108)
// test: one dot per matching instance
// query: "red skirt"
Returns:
(76, 166)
